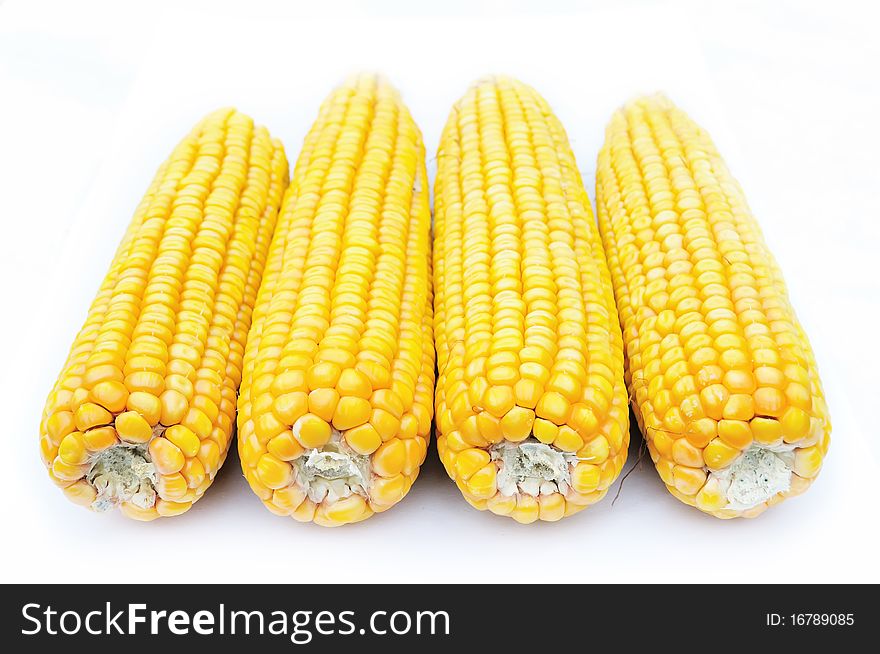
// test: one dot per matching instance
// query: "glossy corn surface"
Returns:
(142, 414)
(335, 407)
(722, 377)
(531, 406)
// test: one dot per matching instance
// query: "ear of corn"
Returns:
(142, 413)
(335, 406)
(722, 377)
(531, 406)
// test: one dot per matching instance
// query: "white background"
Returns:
(94, 96)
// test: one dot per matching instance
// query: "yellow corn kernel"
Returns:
(174, 406)
(740, 381)
(289, 497)
(710, 498)
(167, 508)
(739, 407)
(687, 480)
(210, 454)
(527, 393)
(148, 406)
(409, 426)
(273, 473)
(661, 440)
(186, 441)
(499, 400)
(568, 440)
(290, 407)
(795, 424)
(585, 477)
(481, 484)
(100, 438)
(808, 461)
(469, 461)
(266, 427)
(544, 430)
(110, 394)
(81, 492)
(323, 375)
(527, 509)
(471, 433)
(145, 381)
(166, 456)
(769, 402)
(90, 415)
(595, 451)
(584, 420)
(363, 439)
(59, 425)
(551, 507)
(701, 431)
(735, 433)
(554, 407)
(390, 458)
(98, 373)
(289, 381)
(132, 427)
(285, 446)
(516, 425)
(501, 504)
(387, 401)
(354, 383)
(351, 412)
(305, 512)
(618, 440)
(384, 423)
(193, 472)
(172, 486)
(345, 511)
(685, 453)
(73, 449)
(416, 449)
(66, 471)
(311, 431)
(489, 427)
(797, 394)
(714, 399)
(322, 403)
(718, 454)
(130, 510)
(767, 431)
(387, 491)
(664, 469)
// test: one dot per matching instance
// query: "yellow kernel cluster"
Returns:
(340, 353)
(526, 331)
(158, 361)
(716, 359)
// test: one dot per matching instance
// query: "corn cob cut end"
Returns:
(722, 377)
(126, 464)
(122, 474)
(530, 480)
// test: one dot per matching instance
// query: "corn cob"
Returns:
(722, 378)
(142, 413)
(335, 407)
(531, 405)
